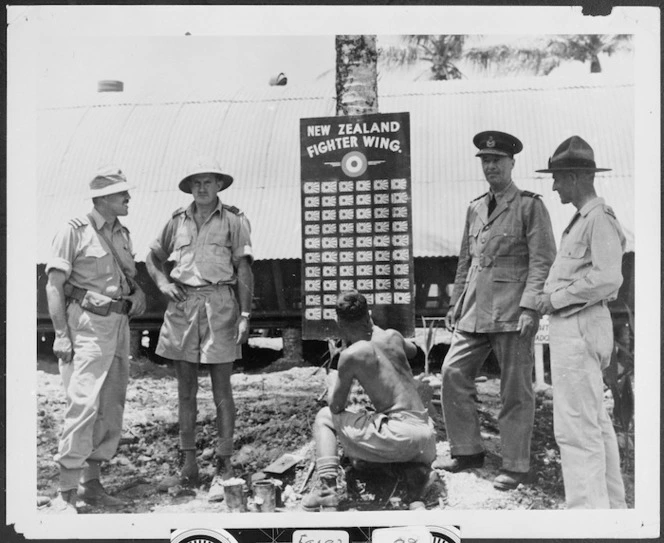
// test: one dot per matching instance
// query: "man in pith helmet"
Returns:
(201, 260)
(91, 295)
(585, 276)
(506, 252)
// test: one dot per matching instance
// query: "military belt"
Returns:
(505, 261)
(116, 306)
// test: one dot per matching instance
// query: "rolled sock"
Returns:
(328, 467)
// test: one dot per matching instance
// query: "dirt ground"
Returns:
(276, 403)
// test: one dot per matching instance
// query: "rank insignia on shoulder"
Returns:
(479, 197)
(77, 222)
(179, 211)
(609, 211)
(530, 194)
(232, 209)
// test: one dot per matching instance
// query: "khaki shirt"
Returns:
(208, 256)
(503, 262)
(588, 267)
(84, 257)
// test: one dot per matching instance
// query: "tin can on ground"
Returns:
(265, 494)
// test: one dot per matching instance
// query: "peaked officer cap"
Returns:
(108, 179)
(493, 142)
(205, 165)
(573, 154)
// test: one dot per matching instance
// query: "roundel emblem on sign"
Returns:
(354, 164)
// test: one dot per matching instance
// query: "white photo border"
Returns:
(27, 24)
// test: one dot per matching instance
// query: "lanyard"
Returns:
(123, 273)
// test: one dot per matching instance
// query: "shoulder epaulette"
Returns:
(609, 211)
(479, 197)
(530, 194)
(78, 222)
(179, 211)
(232, 209)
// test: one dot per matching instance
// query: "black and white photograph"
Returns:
(315, 266)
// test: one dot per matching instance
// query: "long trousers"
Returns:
(467, 353)
(581, 346)
(95, 383)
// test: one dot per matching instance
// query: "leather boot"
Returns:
(94, 493)
(189, 469)
(224, 471)
(322, 498)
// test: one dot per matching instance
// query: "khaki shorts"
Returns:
(401, 436)
(202, 328)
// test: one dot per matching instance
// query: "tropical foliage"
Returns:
(537, 56)
(443, 52)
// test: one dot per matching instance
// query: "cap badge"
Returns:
(490, 142)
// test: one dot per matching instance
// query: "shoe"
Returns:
(216, 493)
(509, 480)
(460, 462)
(65, 503)
(322, 498)
(92, 492)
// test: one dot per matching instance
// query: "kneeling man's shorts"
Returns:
(399, 436)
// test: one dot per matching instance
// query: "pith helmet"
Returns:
(493, 142)
(573, 154)
(108, 179)
(205, 165)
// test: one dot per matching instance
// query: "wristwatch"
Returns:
(246, 315)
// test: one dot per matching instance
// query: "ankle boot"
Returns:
(322, 498)
(188, 468)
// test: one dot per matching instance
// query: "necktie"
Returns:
(492, 204)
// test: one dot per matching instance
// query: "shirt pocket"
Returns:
(508, 285)
(181, 246)
(474, 233)
(218, 248)
(575, 250)
(97, 259)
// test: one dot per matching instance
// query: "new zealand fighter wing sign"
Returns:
(356, 219)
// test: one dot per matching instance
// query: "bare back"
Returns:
(381, 367)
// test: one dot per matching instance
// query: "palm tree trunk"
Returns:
(356, 78)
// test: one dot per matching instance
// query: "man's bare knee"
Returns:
(324, 418)
(187, 375)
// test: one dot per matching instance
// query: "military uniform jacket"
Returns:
(503, 262)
